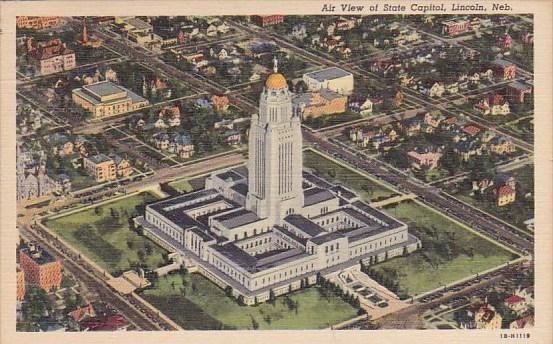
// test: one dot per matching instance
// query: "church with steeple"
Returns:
(270, 226)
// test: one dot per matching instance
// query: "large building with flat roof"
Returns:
(105, 98)
(332, 78)
(271, 227)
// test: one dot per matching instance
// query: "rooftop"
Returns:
(328, 74)
(316, 195)
(104, 88)
(237, 218)
(304, 224)
(37, 253)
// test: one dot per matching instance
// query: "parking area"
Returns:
(375, 299)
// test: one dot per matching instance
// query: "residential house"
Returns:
(516, 303)
(202, 103)
(225, 123)
(486, 317)
(526, 321)
(411, 126)
(83, 313)
(493, 104)
(232, 137)
(471, 130)
(482, 184)
(436, 90)
(433, 118)
(466, 149)
(123, 167)
(161, 140)
(504, 195)
(220, 103)
(501, 145)
(503, 69)
(361, 136)
(181, 144)
(517, 91)
(505, 41)
(527, 38)
(105, 322)
(299, 31)
(60, 144)
(362, 105)
(424, 158)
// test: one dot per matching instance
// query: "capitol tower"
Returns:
(275, 154)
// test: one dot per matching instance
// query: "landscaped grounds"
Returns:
(195, 303)
(449, 251)
(103, 234)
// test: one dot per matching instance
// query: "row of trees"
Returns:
(327, 289)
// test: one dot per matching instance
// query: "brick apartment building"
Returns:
(40, 267)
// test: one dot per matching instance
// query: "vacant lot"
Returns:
(196, 303)
(102, 234)
(449, 252)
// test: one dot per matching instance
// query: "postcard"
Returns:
(276, 171)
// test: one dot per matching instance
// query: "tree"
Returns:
(267, 319)
(130, 244)
(255, 324)
(240, 300)
(272, 297)
(141, 255)
(228, 291)
(98, 211)
(148, 247)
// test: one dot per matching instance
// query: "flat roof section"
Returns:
(237, 218)
(328, 74)
(305, 225)
(104, 88)
(316, 195)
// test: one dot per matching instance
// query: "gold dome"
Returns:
(276, 80)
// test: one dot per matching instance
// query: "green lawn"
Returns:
(449, 252)
(366, 188)
(188, 185)
(106, 239)
(205, 306)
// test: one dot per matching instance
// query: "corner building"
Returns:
(270, 225)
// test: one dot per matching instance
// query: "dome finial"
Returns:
(275, 65)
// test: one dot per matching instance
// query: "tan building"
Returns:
(332, 78)
(37, 23)
(101, 167)
(315, 104)
(140, 32)
(105, 98)
(486, 317)
(51, 57)
(422, 160)
(105, 168)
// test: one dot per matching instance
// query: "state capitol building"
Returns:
(272, 226)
